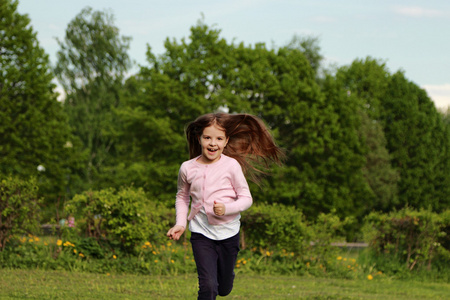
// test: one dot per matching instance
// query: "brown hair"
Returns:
(250, 141)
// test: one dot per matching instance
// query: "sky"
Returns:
(411, 36)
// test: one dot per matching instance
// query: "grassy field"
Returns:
(35, 284)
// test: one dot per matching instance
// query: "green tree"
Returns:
(380, 175)
(366, 82)
(91, 67)
(35, 139)
(310, 47)
(204, 74)
(418, 143)
(415, 135)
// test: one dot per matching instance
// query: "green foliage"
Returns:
(284, 229)
(33, 128)
(418, 143)
(91, 66)
(204, 74)
(360, 140)
(415, 138)
(275, 227)
(320, 258)
(381, 177)
(123, 218)
(328, 228)
(309, 46)
(409, 237)
(19, 211)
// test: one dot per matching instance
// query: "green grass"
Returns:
(36, 284)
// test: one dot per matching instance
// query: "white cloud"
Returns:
(417, 11)
(440, 94)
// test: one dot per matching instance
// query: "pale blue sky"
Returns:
(412, 35)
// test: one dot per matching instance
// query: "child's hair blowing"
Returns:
(250, 142)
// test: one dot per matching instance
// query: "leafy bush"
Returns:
(328, 228)
(412, 238)
(277, 227)
(284, 228)
(124, 218)
(19, 213)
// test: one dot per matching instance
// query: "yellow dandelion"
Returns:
(169, 244)
(75, 251)
(370, 277)
(148, 244)
(339, 257)
(345, 259)
(114, 256)
(81, 254)
(267, 253)
(156, 261)
(154, 252)
(244, 262)
(31, 240)
(238, 265)
(36, 239)
(45, 244)
(107, 274)
(172, 261)
(58, 242)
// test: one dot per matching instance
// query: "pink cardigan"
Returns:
(222, 181)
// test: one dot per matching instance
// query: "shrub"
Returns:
(19, 213)
(276, 227)
(284, 228)
(124, 219)
(326, 229)
(410, 237)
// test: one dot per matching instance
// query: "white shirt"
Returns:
(200, 224)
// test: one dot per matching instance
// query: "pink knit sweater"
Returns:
(222, 181)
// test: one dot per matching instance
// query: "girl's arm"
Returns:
(182, 199)
(181, 206)
(243, 196)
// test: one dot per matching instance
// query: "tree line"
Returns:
(358, 138)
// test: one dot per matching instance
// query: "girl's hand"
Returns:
(175, 232)
(219, 208)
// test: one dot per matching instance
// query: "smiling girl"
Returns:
(222, 148)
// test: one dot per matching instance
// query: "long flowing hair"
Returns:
(250, 141)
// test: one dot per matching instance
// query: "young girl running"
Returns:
(222, 147)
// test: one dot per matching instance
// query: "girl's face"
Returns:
(213, 140)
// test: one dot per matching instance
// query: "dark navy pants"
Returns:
(215, 262)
